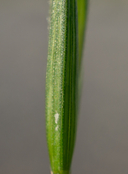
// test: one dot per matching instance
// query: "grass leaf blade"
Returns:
(82, 20)
(62, 85)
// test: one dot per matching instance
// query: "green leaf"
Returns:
(62, 84)
(82, 20)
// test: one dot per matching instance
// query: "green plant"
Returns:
(62, 79)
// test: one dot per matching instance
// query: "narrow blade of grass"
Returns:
(62, 85)
(82, 20)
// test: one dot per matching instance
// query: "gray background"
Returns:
(102, 141)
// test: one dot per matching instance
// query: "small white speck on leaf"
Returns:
(56, 117)
(56, 128)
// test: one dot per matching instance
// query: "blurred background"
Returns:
(102, 139)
